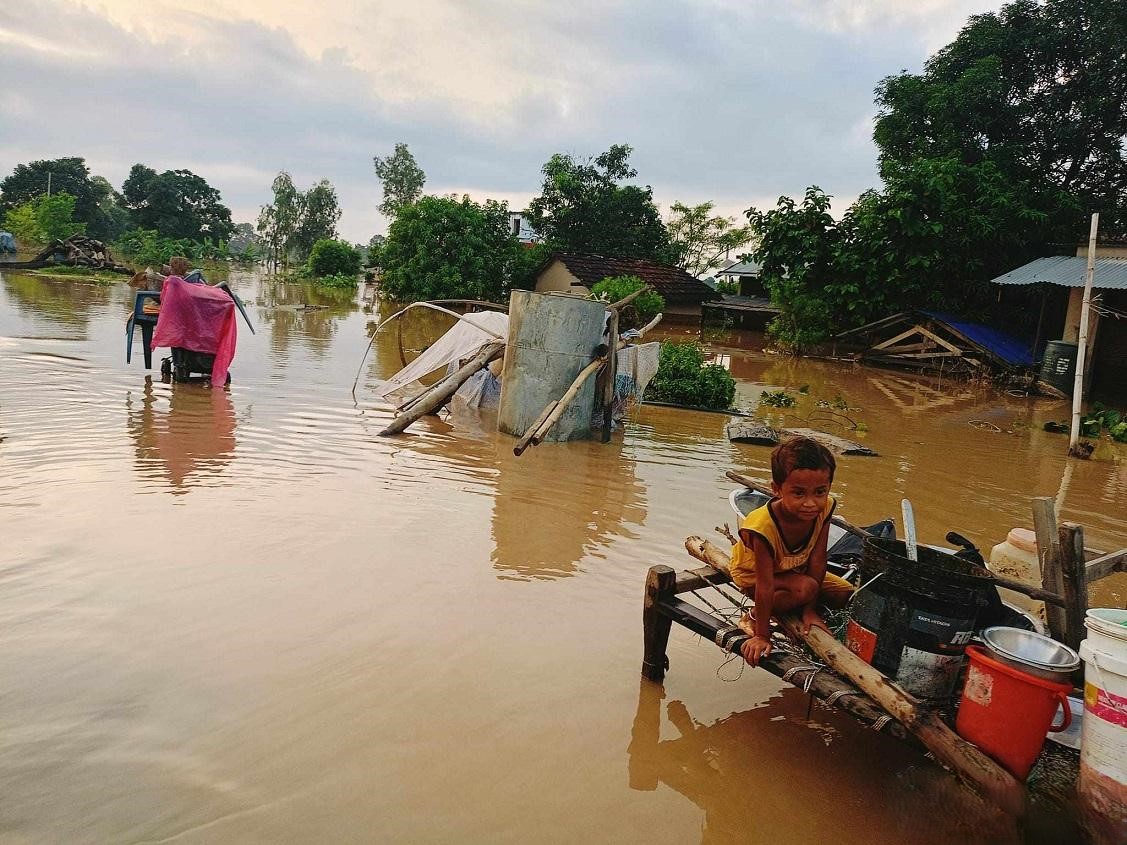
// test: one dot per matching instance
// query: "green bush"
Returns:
(333, 258)
(44, 219)
(637, 313)
(337, 280)
(684, 379)
(149, 247)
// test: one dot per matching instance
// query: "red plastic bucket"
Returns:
(1006, 712)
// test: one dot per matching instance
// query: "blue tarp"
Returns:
(7, 243)
(1008, 348)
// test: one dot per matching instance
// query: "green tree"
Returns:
(95, 203)
(278, 221)
(334, 258)
(113, 219)
(446, 248)
(583, 207)
(637, 313)
(318, 215)
(402, 180)
(684, 379)
(1038, 91)
(44, 219)
(701, 239)
(177, 203)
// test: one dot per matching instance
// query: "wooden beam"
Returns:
(1105, 565)
(1073, 574)
(1048, 550)
(901, 336)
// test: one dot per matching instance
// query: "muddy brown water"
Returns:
(242, 616)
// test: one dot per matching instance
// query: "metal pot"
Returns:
(1034, 654)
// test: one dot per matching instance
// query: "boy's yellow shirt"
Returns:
(761, 521)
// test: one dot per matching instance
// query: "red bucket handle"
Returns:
(1062, 700)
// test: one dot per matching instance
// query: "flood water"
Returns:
(242, 616)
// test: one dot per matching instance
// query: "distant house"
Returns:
(522, 230)
(744, 275)
(575, 273)
(1106, 360)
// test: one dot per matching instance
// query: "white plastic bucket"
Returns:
(1103, 741)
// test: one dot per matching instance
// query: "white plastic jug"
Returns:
(1016, 557)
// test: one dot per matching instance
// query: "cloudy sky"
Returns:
(735, 101)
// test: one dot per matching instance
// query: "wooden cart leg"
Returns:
(655, 624)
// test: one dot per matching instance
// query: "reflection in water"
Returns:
(759, 774)
(62, 302)
(303, 312)
(559, 503)
(194, 435)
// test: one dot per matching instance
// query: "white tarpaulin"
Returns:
(461, 341)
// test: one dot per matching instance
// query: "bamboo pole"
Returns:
(440, 393)
(970, 764)
(610, 376)
(565, 400)
(626, 300)
(1074, 575)
(1048, 550)
(1082, 341)
(523, 443)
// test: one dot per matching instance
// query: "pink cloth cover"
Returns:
(200, 318)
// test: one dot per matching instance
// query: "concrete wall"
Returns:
(557, 278)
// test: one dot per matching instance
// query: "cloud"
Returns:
(722, 99)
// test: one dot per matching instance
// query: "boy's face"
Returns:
(803, 495)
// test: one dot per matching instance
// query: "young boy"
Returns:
(780, 559)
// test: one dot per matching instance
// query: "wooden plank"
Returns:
(1073, 574)
(1105, 565)
(944, 343)
(1048, 551)
(899, 337)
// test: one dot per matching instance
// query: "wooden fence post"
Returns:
(1074, 574)
(655, 624)
(1048, 550)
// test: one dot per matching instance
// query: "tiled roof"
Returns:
(673, 283)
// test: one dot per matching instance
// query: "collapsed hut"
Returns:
(75, 251)
(555, 366)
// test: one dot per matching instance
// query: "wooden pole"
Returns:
(565, 400)
(440, 393)
(1082, 350)
(610, 376)
(522, 444)
(1074, 575)
(1048, 550)
(970, 764)
(656, 625)
(626, 300)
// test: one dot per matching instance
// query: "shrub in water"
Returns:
(684, 379)
(332, 258)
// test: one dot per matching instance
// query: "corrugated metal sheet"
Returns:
(741, 268)
(1068, 271)
(1007, 347)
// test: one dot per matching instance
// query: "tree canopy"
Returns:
(700, 239)
(994, 155)
(318, 215)
(584, 207)
(402, 180)
(95, 201)
(1039, 91)
(177, 203)
(443, 247)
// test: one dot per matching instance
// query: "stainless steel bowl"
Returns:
(1036, 654)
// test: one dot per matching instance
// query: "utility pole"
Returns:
(48, 183)
(1082, 351)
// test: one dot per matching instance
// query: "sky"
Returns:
(733, 101)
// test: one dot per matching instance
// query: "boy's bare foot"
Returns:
(747, 624)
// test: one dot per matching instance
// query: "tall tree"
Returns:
(1038, 90)
(446, 248)
(701, 239)
(583, 207)
(402, 180)
(318, 214)
(177, 204)
(278, 221)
